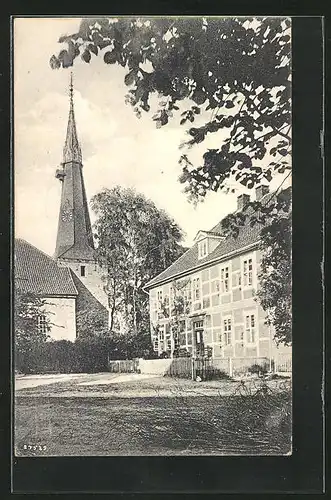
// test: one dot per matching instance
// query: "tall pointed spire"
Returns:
(71, 150)
(74, 236)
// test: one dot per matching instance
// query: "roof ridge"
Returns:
(36, 248)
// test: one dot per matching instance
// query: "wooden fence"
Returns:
(283, 363)
(209, 368)
(123, 366)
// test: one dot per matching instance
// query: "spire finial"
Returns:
(71, 89)
(71, 150)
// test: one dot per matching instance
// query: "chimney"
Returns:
(242, 201)
(261, 191)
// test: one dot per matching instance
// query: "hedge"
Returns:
(88, 355)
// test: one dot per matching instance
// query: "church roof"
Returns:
(37, 272)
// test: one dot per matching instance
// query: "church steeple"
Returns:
(71, 150)
(74, 236)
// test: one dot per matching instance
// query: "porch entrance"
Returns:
(198, 338)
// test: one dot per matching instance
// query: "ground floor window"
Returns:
(250, 328)
(227, 331)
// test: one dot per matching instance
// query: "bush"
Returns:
(85, 355)
(257, 369)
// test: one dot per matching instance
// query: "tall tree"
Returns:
(275, 279)
(236, 71)
(136, 241)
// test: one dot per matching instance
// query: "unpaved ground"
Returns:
(128, 385)
(122, 414)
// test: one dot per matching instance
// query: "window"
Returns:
(198, 324)
(166, 306)
(168, 338)
(175, 336)
(155, 342)
(42, 324)
(198, 332)
(227, 331)
(196, 289)
(250, 328)
(161, 333)
(248, 272)
(203, 248)
(159, 299)
(160, 304)
(188, 292)
(182, 325)
(225, 279)
(82, 271)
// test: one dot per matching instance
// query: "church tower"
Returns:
(74, 244)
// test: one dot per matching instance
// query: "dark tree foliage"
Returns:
(275, 292)
(235, 69)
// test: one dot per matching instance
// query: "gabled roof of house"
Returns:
(204, 234)
(189, 261)
(37, 272)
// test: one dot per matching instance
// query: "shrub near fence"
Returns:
(241, 366)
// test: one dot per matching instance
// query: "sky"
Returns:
(117, 147)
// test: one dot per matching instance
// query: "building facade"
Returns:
(214, 283)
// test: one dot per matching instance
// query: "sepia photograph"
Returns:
(152, 259)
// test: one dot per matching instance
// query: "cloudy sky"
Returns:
(117, 147)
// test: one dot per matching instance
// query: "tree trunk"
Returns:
(134, 305)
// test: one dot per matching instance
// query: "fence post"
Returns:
(230, 367)
(192, 366)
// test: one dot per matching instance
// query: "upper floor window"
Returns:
(42, 324)
(188, 292)
(159, 298)
(225, 279)
(250, 327)
(203, 248)
(82, 271)
(166, 306)
(196, 289)
(248, 272)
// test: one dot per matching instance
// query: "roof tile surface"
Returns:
(39, 273)
(189, 261)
